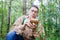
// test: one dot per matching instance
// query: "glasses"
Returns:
(34, 11)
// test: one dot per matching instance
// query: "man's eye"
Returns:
(32, 10)
(35, 11)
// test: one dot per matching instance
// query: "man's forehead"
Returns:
(33, 8)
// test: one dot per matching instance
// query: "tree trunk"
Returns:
(2, 18)
(59, 12)
(24, 7)
(9, 11)
(59, 6)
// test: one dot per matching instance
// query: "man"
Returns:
(18, 32)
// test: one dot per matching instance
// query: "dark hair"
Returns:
(34, 6)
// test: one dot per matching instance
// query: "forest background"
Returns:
(48, 14)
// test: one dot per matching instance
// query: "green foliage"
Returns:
(49, 16)
(50, 20)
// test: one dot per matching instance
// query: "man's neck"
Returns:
(30, 17)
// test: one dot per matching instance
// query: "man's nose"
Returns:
(33, 12)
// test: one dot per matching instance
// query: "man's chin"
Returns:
(33, 17)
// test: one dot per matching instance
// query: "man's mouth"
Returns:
(33, 16)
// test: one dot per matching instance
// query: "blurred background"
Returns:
(48, 14)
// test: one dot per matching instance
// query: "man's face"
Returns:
(33, 12)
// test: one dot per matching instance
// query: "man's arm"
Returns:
(41, 31)
(17, 26)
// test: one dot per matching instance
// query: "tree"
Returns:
(24, 7)
(9, 12)
(2, 18)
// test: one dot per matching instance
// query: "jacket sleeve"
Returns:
(17, 26)
(41, 31)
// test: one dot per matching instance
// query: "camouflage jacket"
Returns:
(27, 33)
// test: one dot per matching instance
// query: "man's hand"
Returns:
(29, 24)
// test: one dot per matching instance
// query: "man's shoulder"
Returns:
(21, 17)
